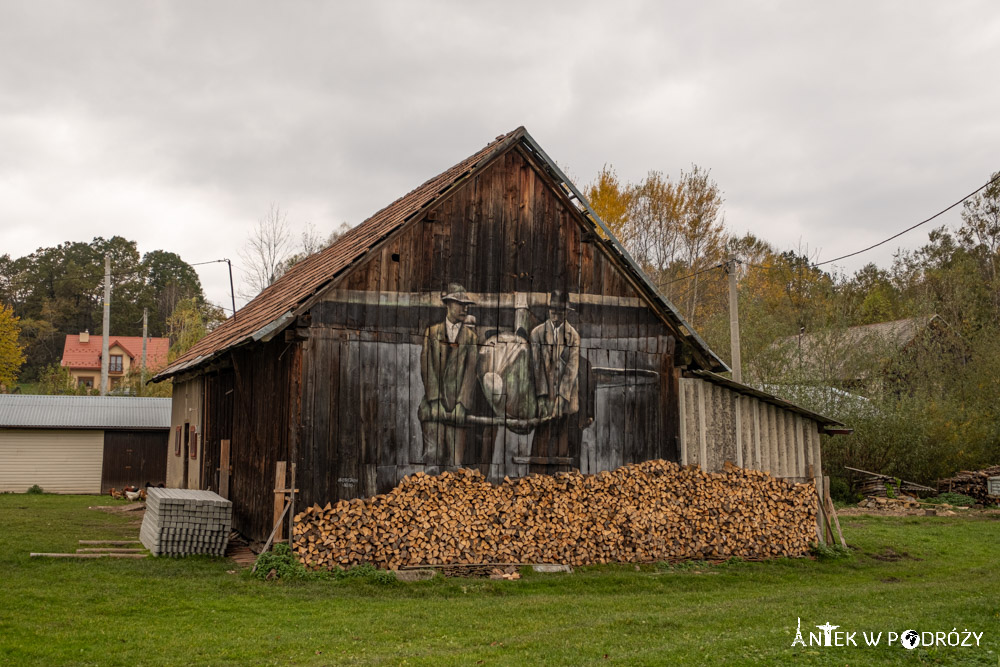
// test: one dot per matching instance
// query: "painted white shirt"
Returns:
(453, 329)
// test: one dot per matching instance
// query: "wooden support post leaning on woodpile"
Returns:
(279, 498)
(656, 510)
(284, 503)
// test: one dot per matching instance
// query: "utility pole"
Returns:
(232, 293)
(734, 320)
(106, 325)
(145, 330)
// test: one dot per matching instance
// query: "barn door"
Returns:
(134, 458)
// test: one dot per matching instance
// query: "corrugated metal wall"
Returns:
(63, 461)
(719, 425)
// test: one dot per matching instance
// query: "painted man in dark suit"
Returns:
(448, 369)
(555, 352)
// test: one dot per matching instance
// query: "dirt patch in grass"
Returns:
(124, 510)
(890, 555)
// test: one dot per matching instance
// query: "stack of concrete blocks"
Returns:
(180, 522)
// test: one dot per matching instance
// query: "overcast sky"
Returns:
(828, 126)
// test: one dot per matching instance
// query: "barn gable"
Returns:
(276, 306)
(486, 320)
(510, 237)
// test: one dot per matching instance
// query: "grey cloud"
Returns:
(832, 124)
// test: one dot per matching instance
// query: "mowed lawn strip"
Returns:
(937, 574)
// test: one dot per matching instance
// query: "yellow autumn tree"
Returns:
(11, 351)
(673, 228)
(611, 200)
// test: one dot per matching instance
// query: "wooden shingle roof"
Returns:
(275, 307)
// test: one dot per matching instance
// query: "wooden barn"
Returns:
(485, 320)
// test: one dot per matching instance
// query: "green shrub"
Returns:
(35, 489)
(829, 551)
(840, 491)
(957, 499)
(282, 561)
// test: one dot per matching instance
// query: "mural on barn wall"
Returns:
(492, 333)
(506, 383)
(530, 383)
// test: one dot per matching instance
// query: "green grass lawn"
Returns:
(195, 611)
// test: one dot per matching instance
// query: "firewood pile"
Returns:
(644, 512)
(972, 483)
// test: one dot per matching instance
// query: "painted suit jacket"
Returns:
(449, 369)
(556, 361)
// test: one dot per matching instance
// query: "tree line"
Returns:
(59, 290)
(918, 413)
(921, 409)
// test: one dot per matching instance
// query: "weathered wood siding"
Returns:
(509, 239)
(719, 425)
(264, 415)
(220, 397)
(252, 401)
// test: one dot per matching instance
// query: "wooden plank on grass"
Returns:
(104, 555)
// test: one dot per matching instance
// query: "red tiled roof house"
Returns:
(82, 357)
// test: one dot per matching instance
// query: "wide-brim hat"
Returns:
(559, 300)
(456, 292)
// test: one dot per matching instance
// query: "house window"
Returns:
(86, 382)
(115, 365)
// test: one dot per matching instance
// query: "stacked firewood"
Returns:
(972, 483)
(644, 512)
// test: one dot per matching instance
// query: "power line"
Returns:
(690, 275)
(988, 183)
(678, 297)
(98, 276)
(912, 227)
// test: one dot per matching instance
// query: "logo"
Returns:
(908, 639)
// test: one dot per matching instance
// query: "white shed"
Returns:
(82, 444)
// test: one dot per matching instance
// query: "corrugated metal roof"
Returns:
(845, 354)
(276, 305)
(86, 412)
(896, 332)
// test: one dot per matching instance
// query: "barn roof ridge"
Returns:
(277, 305)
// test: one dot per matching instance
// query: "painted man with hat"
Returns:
(448, 370)
(555, 351)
